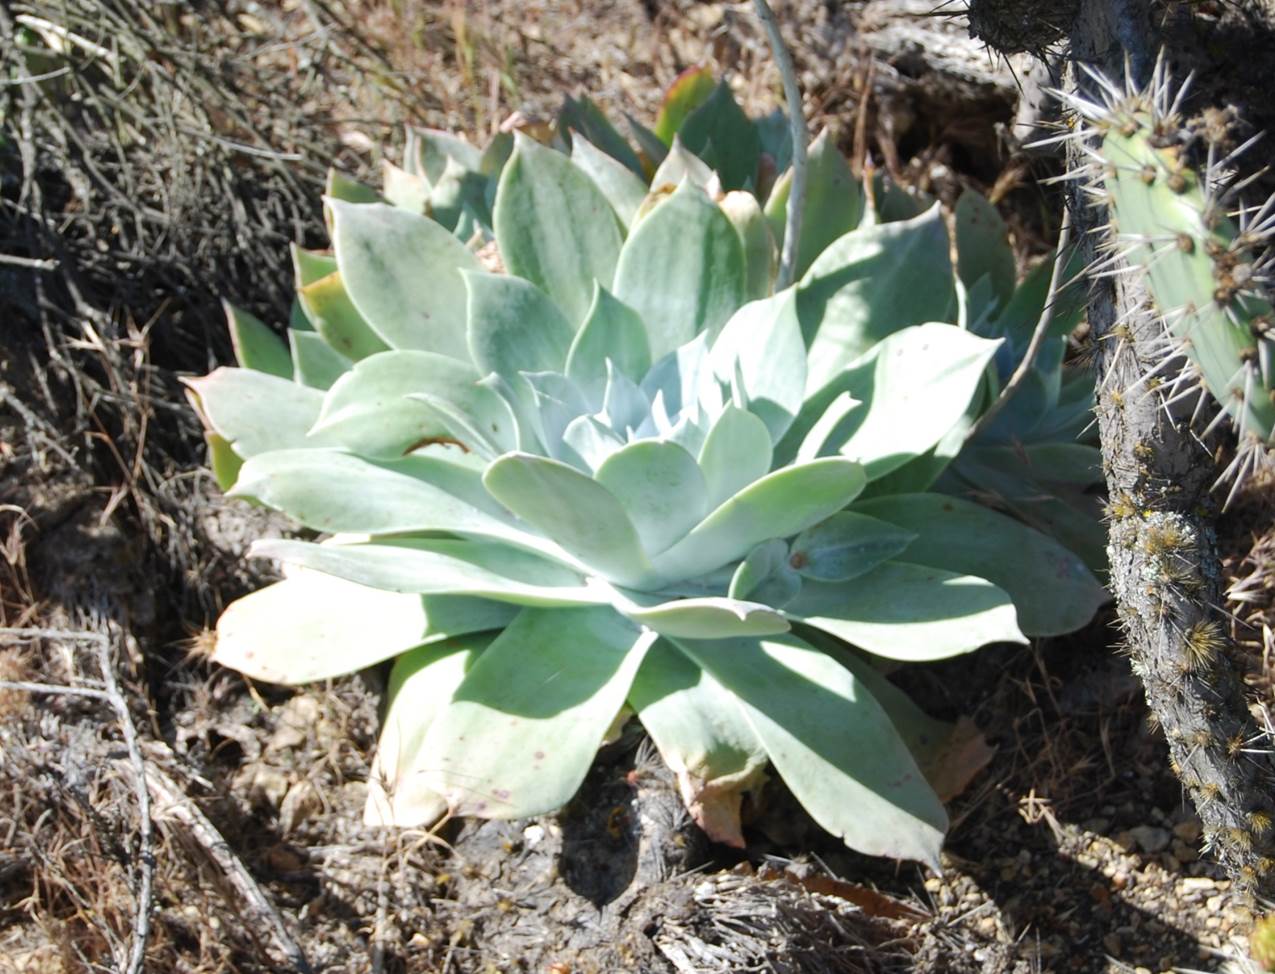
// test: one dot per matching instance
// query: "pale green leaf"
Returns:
(421, 684)
(309, 266)
(316, 363)
(581, 117)
(911, 612)
(766, 575)
(620, 184)
(660, 487)
(554, 227)
(403, 273)
(831, 742)
(762, 346)
(368, 410)
(255, 345)
(406, 190)
(871, 283)
(329, 308)
(703, 737)
(432, 566)
(848, 545)
(679, 165)
(611, 331)
(708, 617)
(760, 254)
(834, 202)
(574, 510)
(312, 626)
(515, 328)
(233, 403)
(522, 729)
(1051, 587)
(340, 493)
(982, 248)
(779, 505)
(682, 270)
(736, 452)
(915, 386)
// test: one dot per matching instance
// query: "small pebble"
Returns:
(1149, 839)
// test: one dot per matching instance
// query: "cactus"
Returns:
(1202, 263)
(612, 471)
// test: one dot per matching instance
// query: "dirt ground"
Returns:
(128, 212)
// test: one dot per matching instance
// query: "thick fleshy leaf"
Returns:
(421, 684)
(368, 409)
(721, 134)
(834, 202)
(999, 475)
(847, 545)
(612, 331)
(580, 117)
(554, 227)
(1051, 587)
(515, 328)
(689, 90)
(911, 612)
(982, 247)
(428, 151)
(558, 402)
(459, 200)
(255, 345)
(312, 626)
(761, 346)
(309, 266)
(871, 283)
(621, 185)
(521, 731)
(406, 190)
(433, 566)
(315, 363)
(777, 506)
(330, 310)
(650, 148)
(766, 575)
(703, 737)
(575, 511)
(682, 270)
(233, 402)
(403, 273)
(831, 742)
(297, 320)
(591, 441)
(347, 189)
(736, 452)
(760, 254)
(679, 166)
(949, 755)
(709, 617)
(223, 460)
(916, 385)
(661, 488)
(338, 492)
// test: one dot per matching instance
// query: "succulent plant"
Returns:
(611, 474)
(1201, 254)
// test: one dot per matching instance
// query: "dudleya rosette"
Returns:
(620, 477)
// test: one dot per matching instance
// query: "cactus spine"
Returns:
(1202, 264)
